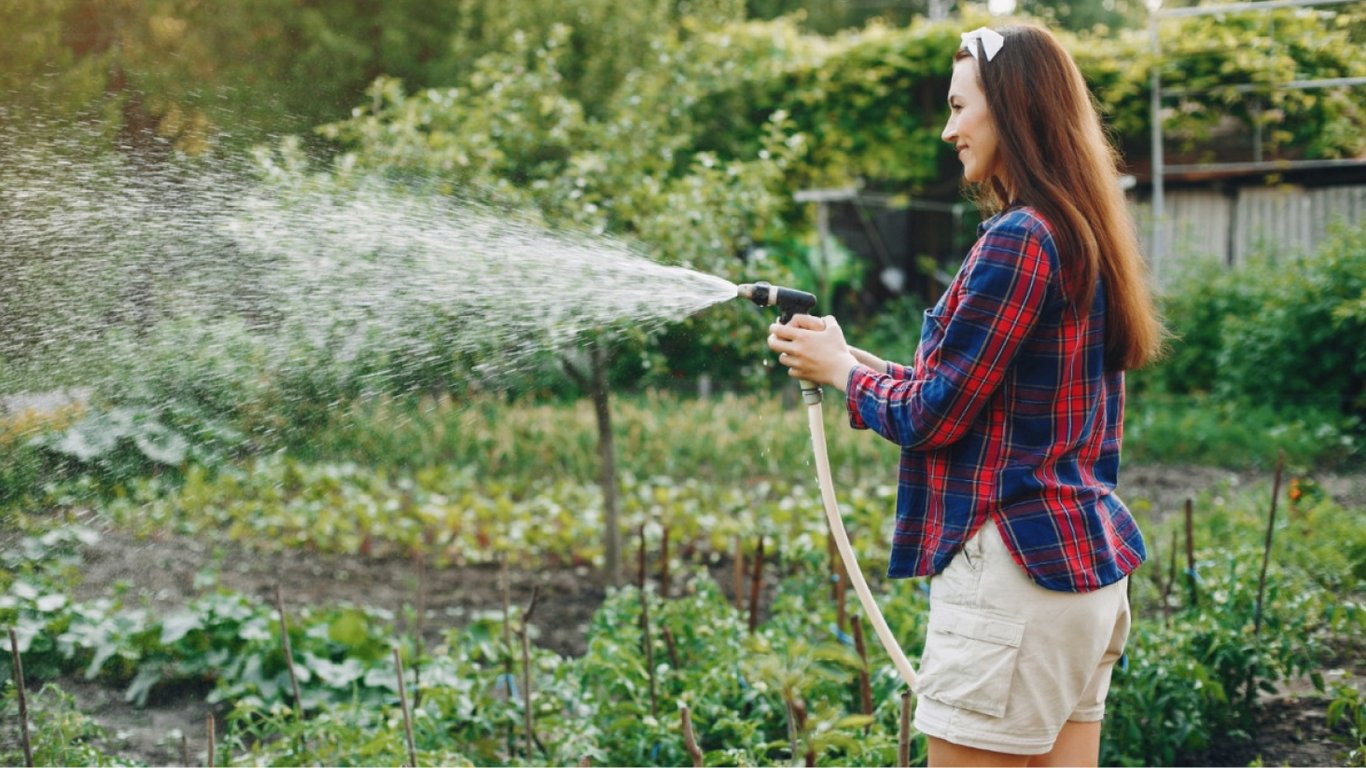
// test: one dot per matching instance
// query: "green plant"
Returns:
(1347, 712)
(61, 734)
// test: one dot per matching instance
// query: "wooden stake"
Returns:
(17, 663)
(672, 646)
(289, 654)
(756, 584)
(1171, 579)
(799, 710)
(690, 738)
(507, 636)
(1190, 553)
(646, 640)
(739, 575)
(841, 604)
(664, 565)
(418, 622)
(184, 749)
(1251, 688)
(903, 751)
(1266, 550)
(526, 671)
(832, 558)
(403, 703)
(213, 738)
(865, 687)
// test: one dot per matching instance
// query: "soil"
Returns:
(161, 573)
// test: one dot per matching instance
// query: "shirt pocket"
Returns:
(970, 658)
(932, 330)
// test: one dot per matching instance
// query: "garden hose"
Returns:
(789, 302)
(811, 395)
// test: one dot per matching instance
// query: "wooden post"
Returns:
(672, 645)
(1190, 554)
(1171, 579)
(403, 703)
(865, 686)
(526, 672)
(17, 663)
(690, 738)
(903, 751)
(1266, 549)
(664, 565)
(756, 584)
(841, 604)
(418, 622)
(646, 641)
(289, 654)
(1251, 688)
(213, 738)
(739, 575)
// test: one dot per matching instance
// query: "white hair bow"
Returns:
(991, 41)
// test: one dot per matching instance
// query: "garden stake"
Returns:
(690, 738)
(18, 664)
(1251, 690)
(1266, 550)
(403, 703)
(792, 727)
(903, 749)
(208, 721)
(421, 565)
(1190, 552)
(647, 643)
(799, 709)
(526, 670)
(756, 583)
(664, 565)
(289, 655)
(1171, 579)
(507, 634)
(832, 555)
(672, 646)
(865, 687)
(739, 574)
(841, 611)
(640, 558)
(184, 749)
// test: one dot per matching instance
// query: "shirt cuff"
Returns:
(898, 371)
(861, 380)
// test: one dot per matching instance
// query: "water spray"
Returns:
(791, 302)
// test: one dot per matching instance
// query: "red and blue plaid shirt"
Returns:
(1008, 411)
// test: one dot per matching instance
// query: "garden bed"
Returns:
(164, 573)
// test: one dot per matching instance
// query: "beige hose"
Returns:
(832, 514)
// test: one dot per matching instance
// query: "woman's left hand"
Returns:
(813, 348)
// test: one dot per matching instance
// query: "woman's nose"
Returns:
(950, 132)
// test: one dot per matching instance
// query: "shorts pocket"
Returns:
(969, 660)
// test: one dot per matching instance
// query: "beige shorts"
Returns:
(1007, 662)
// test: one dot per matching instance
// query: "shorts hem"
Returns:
(969, 737)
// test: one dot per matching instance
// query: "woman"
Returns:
(1010, 418)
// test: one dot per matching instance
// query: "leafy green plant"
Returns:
(60, 733)
(1347, 711)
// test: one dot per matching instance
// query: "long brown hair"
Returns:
(1058, 160)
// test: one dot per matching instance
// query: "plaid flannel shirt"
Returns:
(1008, 411)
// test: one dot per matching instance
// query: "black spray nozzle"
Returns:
(789, 301)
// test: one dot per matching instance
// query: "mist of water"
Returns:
(97, 254)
